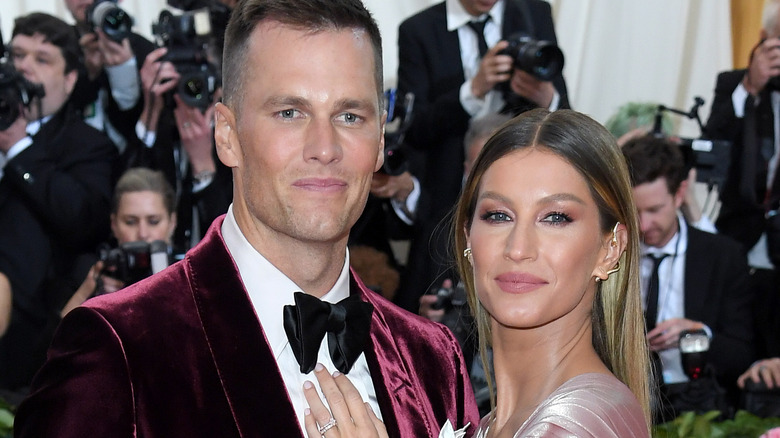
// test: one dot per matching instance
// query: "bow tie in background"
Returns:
(347, 324)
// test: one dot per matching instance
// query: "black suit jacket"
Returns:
(717, 293)
(430, 66)
(742, 212)
(54, 205)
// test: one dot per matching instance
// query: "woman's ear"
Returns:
(614, 245)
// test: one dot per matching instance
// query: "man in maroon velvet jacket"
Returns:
(198, 350)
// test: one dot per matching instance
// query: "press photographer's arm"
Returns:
(95, 282)
(5, 303)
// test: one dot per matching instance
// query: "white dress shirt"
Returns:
(270, 290)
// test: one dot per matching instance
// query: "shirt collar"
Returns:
(268, 288)
(35, 126)
(457, 15)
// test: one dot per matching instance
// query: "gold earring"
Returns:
(467, 253)
(614, 242)
(613, 270)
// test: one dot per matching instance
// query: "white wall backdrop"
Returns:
(665, 51)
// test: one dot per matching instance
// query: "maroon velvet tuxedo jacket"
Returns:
(182, 354)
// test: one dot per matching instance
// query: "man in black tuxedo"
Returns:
(744, 112)
(442, 64)
(55, 193)
(701, 279)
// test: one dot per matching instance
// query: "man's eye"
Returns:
(350, 118)
(288, 113)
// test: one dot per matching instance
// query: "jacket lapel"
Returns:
(247, 368)
(403, 410)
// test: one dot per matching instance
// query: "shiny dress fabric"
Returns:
(588, 405)
(182, 354)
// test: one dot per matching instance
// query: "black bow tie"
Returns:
(347, 324)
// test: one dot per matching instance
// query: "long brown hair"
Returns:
(618, 324)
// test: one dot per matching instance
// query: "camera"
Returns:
(187, 38)
(542, 59)
(110, 18)
(133, 261)
(399, 119)
(15, 91)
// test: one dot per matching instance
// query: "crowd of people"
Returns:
(565, 262)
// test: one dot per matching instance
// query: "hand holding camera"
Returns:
(764, 65)
(494, 68)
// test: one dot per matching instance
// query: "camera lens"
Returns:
(540, 58)
(114, 21)
(543, 59)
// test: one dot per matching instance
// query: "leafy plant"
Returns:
(6, 420)
(692, 425)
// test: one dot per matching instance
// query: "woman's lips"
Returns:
(517, 283)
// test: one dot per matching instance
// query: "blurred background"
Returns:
(664, 51)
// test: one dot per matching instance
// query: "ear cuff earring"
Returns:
(614, 242)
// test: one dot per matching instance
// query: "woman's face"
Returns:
(536, 241)
(142, 216)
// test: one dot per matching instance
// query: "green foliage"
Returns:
(691, 425)
(6, 420)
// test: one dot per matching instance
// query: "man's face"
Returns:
(307, 137)
(42, 62)
(657, 210)
(478, 7)
(78, 9)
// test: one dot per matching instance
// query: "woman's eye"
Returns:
(557, 218)
(496, 216)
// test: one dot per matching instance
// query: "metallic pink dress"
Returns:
(588, 405)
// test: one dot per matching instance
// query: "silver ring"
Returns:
(186, 124)
(328, 426)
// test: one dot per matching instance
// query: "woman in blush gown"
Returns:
(549, 241)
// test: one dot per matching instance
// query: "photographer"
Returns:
(745, 112)
(691, 279)
(108, 91)
(175, 131)
(144, 209)
(56, 187)
(452, 57)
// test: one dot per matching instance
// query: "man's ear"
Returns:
(225, 136)
(614, 244)
(70, 81)
(679, 196)
(380, 159)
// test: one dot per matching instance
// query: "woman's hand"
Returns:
(351, 417)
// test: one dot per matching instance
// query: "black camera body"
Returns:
(133, 261)
(187, 38)
(15, 91)
(542, 59)
(107, 16)
(399, 119)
